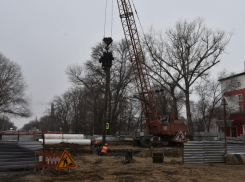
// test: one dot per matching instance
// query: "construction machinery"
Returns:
(166, 127)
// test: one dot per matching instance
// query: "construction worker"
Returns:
(103, 151)
(95, 148)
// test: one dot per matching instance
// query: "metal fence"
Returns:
(235, 145)
(193, 152)
(21, 138)
(242, 137)
(212, 151)
(14, 155)
(205, 136)
(204, 152)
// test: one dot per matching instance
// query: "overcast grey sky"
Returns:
(45, 36)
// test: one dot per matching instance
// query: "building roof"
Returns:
(232, 76)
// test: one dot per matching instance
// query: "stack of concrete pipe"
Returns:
(65, 138)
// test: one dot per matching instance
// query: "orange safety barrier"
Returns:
(51, 158)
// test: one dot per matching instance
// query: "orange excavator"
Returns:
(167, 127)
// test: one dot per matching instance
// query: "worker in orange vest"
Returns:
(103, 151)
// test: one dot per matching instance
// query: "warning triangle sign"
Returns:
(65, 161)
(180, 137)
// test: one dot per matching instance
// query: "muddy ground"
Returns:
(141, 168)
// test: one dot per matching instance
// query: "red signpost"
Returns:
(180, 137)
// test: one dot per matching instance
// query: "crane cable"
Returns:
(111, 17)
(105, 17)
(139, 20)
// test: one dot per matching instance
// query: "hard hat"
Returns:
(106, 144)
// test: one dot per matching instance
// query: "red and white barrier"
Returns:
(51, 159)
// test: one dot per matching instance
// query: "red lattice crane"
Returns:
(165, 128)
(137, 60)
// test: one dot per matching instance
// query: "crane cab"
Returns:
(167, 126)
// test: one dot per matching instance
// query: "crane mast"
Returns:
(138, 63)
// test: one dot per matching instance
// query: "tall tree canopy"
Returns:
(186, 53)
(13, 101)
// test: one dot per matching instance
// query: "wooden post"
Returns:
(107, 71)
(44, 160)
(35, 168)
(52, 159)
(182, 146)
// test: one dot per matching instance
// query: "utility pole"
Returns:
(224, 102)
(225, 115)
(106, 61)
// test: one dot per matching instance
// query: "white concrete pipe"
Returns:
(64, 136)
(57, 141)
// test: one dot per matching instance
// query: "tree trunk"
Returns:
(76, 119)
(175, 108)
(174, 104)
(188, 112)
(130, 119)
(95, 116)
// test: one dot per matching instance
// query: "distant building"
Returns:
(236, 101)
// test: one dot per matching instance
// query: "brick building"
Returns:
(236, 101)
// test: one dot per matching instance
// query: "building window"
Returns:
(240, 109)
(240, 97)
(238, 84)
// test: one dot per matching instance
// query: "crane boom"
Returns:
(167, 127)
(138, 62)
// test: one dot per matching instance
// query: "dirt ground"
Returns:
(141, 169)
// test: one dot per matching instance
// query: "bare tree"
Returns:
(12, 87)
(161, 80)
(92, 77)
(63, 108)
(90, 80)
(210, 94)
(6, 124)
(186, 53)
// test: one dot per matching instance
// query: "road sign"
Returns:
(107, 126)
(227, 110)
(65, 161)
(180, 137)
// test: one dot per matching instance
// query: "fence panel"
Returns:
(14, 155)
(214, 152)
(204, 152)
(193, 152)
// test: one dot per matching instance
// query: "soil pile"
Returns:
(145, 153)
